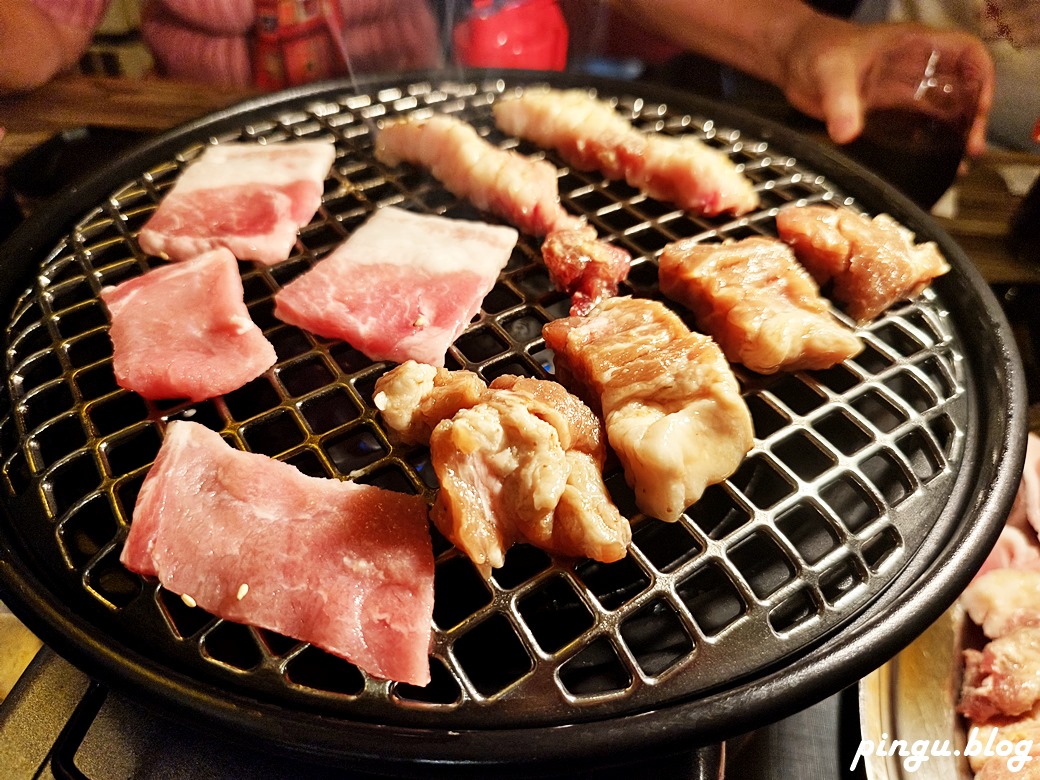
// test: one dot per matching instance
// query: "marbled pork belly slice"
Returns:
(672, 407)
(761, 307)
(346, 567)
(870, 263)
(584, 266)
(250, 198)
(183, 330)
(521, 190)
(520, 462)
(591, 135)
(1003, 678)
(402, 287)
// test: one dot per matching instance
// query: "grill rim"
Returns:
(983, 491)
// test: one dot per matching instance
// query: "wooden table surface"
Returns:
(985, 204)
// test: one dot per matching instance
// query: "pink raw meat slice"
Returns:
(402, 287)
(346, 567)
(183, 330)
(248, 197)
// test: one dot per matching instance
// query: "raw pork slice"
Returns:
(871, 263)
(519, 461)
(403, 286)
(344, 566)
(183, 331)
(758, 303)
(248, 197)
(672, 406)
(521, 190)
(1003, 678)
(590, 135)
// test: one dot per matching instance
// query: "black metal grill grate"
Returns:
(850, 466)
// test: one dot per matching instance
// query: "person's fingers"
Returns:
(840, 101)
(976, 144)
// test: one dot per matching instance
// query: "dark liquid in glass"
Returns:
(916, 153)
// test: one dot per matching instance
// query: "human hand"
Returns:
(826, 66)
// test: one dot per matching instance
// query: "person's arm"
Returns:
(39, 41)
(818, 61)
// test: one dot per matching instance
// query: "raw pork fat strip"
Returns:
(522, 191)
(183, 330)
(672, 406)
(403, 286)
(346, 567)
(590, 135)
(871, 263)
(519, 461)
(251, 198)
(761, 307)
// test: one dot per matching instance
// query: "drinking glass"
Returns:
(919, 104)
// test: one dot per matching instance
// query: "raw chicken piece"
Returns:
(250, 198)
(520, 463)
(759, 305)
(414, 397)
(1004, 678)
(1002, 600)
(521, 190)
(344, 566)
(590, 135)
(871, 263)
(583, 266)
(183, 330)
(402, 287)
(672, 406)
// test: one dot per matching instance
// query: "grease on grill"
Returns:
(819, 517)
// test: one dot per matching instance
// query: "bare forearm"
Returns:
(753, 36)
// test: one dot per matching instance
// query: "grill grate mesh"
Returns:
(837, 494)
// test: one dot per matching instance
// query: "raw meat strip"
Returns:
(522, 191)
(871, 263)
(583, 266)
(183, 330)
(1003, 678)
(761, 307)
(403, 286)
(249, 197)
(344, 566)
(590, 135)
(1002, 600)
(520, 463)
(672, 406)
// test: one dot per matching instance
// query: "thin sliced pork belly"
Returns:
(522, 191)
(402, 287)
(344, 566)
(1003, 678)
(183, 330)
(250, 198)
(870, 263)
(672, 407)
(583, 266)
(520, 463)
(590, 135)
(761, 307)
